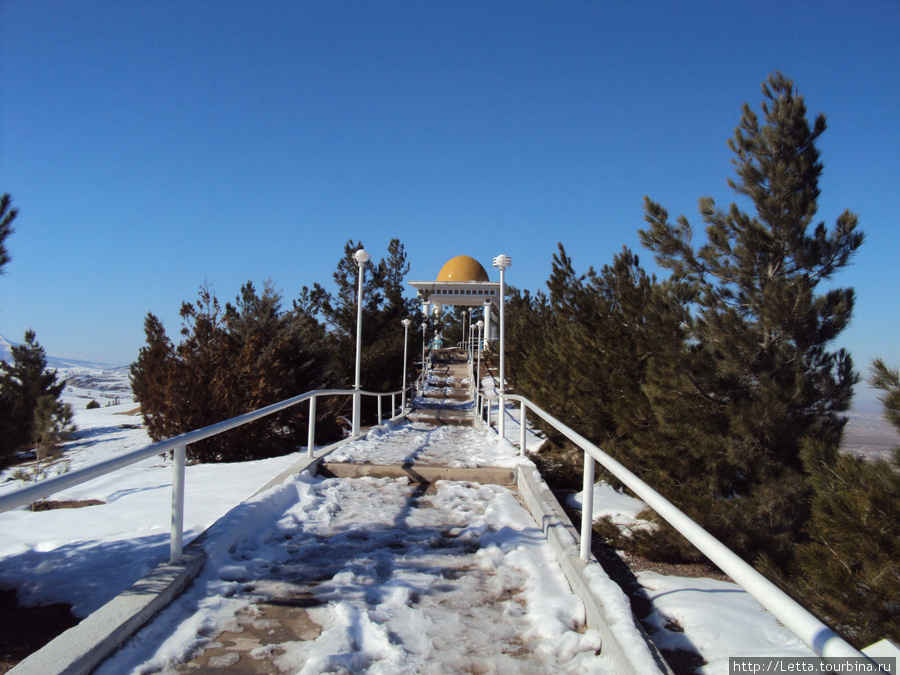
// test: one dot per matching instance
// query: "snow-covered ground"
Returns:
(392, 581)
(416, 442)
(717, 619)
(374, 612)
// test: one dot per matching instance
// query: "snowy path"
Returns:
(371, 575)
(419, 443)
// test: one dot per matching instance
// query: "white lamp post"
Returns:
(424, 327)
(501, 262)
(361, 258)
(471, 328)
(405, 323)
(480, 325)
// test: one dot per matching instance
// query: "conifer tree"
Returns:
(23, 383)
(384, 307)
(150, 375)
(580, 353)
(53, 424)
(229, 363)
(755, 377)
(849, 570)
(7, 216)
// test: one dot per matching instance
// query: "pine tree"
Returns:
(228, 363)
(384, 307)
(754, 378)
(7, 216)
(150, 375)
(848, 572)
(23, 383)
(580, 353)
(53, 425)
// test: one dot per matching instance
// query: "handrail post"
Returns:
(587, 507)
(488, 413)
(393, 405)
(311, 437)
(379, 409)
(177, 532)
(522, 428)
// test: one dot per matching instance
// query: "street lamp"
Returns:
(424, 327)
(462, 336)
(501, 262)
(480, 325)
(361, 258)
(405, 323)
(471, 328)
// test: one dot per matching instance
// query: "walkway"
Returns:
(446, 396)
(427, 562)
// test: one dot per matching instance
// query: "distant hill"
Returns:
(55, 361)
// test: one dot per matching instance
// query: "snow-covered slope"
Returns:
(55, 361)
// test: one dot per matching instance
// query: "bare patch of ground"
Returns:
(27, 629)
(50, 505)
(134, 411)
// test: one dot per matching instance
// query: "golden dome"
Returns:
(462, 268)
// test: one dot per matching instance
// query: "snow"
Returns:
(614, 504)
(396, 580)
(455, 446)
(718, 619)
(512, 416)
(400, 582)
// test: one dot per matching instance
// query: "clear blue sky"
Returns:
(151, 146)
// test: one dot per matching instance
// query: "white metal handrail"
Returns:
(815, 634)
(177, 445)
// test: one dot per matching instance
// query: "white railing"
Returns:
(177, 445)
(815, 634)
(422, 380)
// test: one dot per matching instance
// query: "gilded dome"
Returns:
(462, 268)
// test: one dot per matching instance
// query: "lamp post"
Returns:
(424, 327)
(501, 262)
(361, 258)
(405, 323)
(471, 328)
(463, 334)
(480, 325)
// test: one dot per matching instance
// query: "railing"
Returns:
(422, 379)
(178, 446)
(815, 634)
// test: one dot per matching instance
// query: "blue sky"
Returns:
(152, 146)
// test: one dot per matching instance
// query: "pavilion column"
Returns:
(489, 332)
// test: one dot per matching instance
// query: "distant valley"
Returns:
(867, 433)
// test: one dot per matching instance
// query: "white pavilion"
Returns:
(462, 281)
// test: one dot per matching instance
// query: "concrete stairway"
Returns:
(446, 397)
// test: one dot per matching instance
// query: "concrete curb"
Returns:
(420, 473)
(641, 655)
(83, 647)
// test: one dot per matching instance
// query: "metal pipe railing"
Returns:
(177, 445)
(815, 634)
